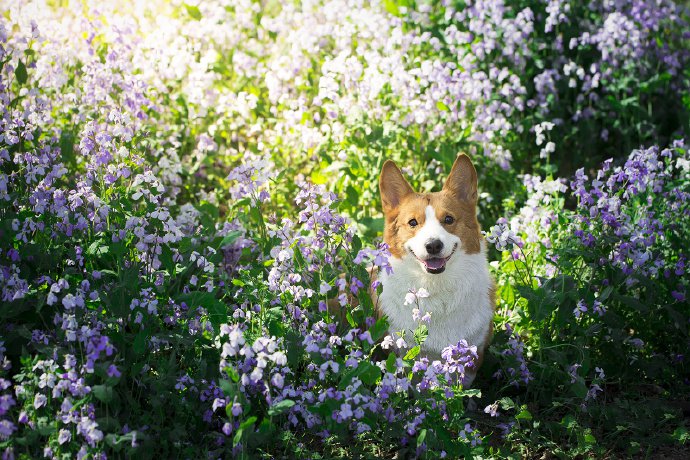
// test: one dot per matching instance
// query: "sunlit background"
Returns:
(188, 189)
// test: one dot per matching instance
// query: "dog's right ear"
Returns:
(393, 186)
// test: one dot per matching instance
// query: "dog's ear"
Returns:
(462, 180)
(393, 186)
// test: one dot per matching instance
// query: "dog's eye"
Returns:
(448, 220)
(412, 222)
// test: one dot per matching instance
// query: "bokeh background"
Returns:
(184, 187)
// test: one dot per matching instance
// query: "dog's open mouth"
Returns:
(435, 265)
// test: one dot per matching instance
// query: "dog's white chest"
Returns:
(459, 300)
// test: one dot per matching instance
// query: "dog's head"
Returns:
(434, 228)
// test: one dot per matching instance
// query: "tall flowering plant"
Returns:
(607, 277)
(184, 185)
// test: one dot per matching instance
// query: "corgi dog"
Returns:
(436, 244)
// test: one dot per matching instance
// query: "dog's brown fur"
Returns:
(457, 199)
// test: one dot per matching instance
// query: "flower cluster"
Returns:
(637, 235)
(501, 236)
(182, 186)
(517, 372)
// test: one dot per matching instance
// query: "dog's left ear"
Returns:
(462, 180)
(393, 186)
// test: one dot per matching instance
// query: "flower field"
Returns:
(189, 216)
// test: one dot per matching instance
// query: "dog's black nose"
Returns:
(434, 247)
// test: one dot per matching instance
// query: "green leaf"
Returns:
(139, 344)
(442, 107)
(242, 202)
(229, 238)
(103, 393)
(217, 310)
(193, 11)
(45, 427)
(472, 393)
(524, 415)
(227, 387)
(579, 388)
(412, 353)
(365, 371)
(356, 244)
(240, 431)
(281, 407)
(372, 225)
(369, 373)
(681, 435)
(67, 148)
(238, 436)
(421, 333)
(506, 403)
(605, 293)
(232, 373)
(208, 215)
(421, 437)
(350, 319)
(352, 195)
(508, 295)
(379, 329)
(319, 178)
(118, 442)
(166, 258)
(392, 7)
(391, 363)
(20, 73)
(97, 248)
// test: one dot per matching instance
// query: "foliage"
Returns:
(189, 216)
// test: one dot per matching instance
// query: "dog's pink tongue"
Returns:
(435, 263)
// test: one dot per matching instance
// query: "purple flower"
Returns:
(64, 436)
(501, 236)
(580, 309)
(6, 429)
(113, 371)
(39, 400)
(492, 409)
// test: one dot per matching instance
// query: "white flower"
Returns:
(540, 129)
(218, 402)
(64, 436)
(550, 147)
(39, 400)
(422, 293)
(324, 287)
(279, 358)
(415, 314)
(492, 409)
(277, 380)
(256, 374)
(414, 295)
(284, 255)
